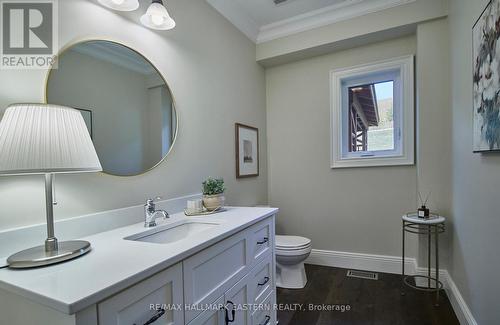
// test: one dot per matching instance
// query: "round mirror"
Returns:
(126, 103)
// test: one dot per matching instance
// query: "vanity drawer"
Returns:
(265, 313)
(132, 306)
(213, 271)
(262, 235)
(262, 280)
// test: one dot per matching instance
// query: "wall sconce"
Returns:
(156, 17)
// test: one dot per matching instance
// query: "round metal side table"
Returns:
(434, 225)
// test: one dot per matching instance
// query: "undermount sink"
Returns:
(172, 232)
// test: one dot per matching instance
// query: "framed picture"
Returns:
(247, 151)
(87, 117)
(486, 79)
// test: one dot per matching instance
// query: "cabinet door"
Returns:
(237, 300)
(157, 300)
(215, 315)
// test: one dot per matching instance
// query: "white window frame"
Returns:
(401, 70)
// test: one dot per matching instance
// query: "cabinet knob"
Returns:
(266, 280)
(263, 241)
(266, 320)
(156, 316)
(233, 312)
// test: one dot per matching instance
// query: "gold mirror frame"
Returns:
(70, 45)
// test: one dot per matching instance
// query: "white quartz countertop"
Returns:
(115, 264)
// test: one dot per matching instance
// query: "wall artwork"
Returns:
(486, 78)
(247, 151)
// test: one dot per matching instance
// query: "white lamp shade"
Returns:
(157, 17)
(120, 5)
(40, 139)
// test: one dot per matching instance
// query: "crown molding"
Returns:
(325, 16)
(345, 10)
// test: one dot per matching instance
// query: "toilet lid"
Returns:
(291, 242)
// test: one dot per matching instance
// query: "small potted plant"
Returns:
(213, 193)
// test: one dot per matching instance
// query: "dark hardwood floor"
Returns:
(371, 301)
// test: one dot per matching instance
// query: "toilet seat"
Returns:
(293, 252)
(292, 245)
(287, 243)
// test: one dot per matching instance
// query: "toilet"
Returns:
(291, 252)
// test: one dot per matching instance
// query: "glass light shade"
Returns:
(157, 17)
(120, 5)
(41, 139)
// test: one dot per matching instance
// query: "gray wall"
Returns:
(475, 259)
(434, 138)
(215, 81)
(355, 209)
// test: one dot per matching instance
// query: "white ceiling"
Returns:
(265, 12)
(262, 20)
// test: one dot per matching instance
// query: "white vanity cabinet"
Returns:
(231, 282)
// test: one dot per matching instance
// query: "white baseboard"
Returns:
(392, 264)
(458, 303)
(369, 262)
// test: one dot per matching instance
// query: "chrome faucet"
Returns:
(151, 214)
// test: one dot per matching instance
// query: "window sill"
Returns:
(372, 162)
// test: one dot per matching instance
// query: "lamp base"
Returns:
(38, 256)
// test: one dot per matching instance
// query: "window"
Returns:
(372, 114)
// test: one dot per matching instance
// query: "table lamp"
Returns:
(46, 139)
